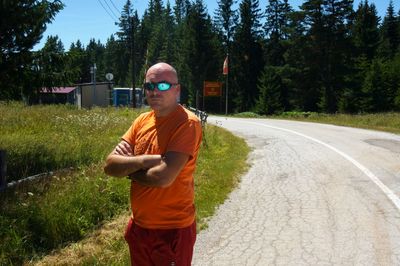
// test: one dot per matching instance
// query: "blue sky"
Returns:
(88, 19)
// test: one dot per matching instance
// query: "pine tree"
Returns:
(246, 58)
(391, 79)
(225, 19)
(390, 32)
(157, 39)
(182, 48)
(125, 38)
(276, 30)
(180, 10)
(168, 50)
(94, 55)
(365, 39)
(200, 53)
(365, 31)
(52, 63)
(374, 89)
(22, 24)
(396, 82)
(129, 24)
(112, 60)
(329, 24)
(271, 91)
(306, 55)
(277, 18)
(302, 93)
(76, 60)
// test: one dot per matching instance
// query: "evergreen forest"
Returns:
(323, 56)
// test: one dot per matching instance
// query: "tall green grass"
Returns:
(43, 138)
(389, 122)
(48, 214)
(43, 215)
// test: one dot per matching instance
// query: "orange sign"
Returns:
(212, 88)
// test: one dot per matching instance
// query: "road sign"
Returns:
(212, 88)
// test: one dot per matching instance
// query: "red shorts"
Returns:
(170, 247)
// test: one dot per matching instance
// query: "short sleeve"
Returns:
(186, 139)
(130, 134)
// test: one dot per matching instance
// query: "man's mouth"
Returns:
(155, 98)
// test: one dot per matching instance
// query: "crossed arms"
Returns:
(148, 170)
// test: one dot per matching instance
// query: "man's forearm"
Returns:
(142, 178)
(120, 166)
(152, 177)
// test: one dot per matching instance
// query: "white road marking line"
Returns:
(389, 193)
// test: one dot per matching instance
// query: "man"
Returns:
(159, 153)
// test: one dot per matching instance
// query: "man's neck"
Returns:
(164, 113)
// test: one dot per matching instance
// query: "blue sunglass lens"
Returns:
(163, 86)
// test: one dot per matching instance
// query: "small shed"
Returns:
(94, 94)
(58, 95)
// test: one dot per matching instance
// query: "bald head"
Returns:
(162, 70)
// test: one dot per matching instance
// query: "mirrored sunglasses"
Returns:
(161, 86)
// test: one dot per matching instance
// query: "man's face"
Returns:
(162, 102)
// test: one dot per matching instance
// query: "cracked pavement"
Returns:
(304, 203)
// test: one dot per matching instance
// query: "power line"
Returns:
(115, 20)
(109, 8)
(116, 8)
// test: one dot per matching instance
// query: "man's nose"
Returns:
(154, 92)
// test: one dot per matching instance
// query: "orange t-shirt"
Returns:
(172, 206)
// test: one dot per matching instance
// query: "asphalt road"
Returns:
(315, 195)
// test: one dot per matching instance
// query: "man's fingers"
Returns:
(126, 147)
(123, 148)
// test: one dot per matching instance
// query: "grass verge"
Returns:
(53, 215)
(221, 162)
(42, 138)
(389, 122)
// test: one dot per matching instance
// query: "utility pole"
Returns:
(227, 86)
(132, 44)
(93, 72)
(227, 72)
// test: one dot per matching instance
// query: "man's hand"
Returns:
(122, 161)
(163, 172)
(123, 148)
